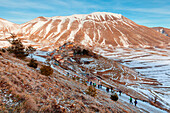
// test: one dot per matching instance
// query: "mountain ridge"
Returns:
(95, 29)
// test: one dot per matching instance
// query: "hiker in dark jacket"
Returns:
(111, 88)
(120, 92)
(135, 102)
(90, 82)
(107, 89)
(98, 86)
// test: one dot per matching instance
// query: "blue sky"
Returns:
(144, 12)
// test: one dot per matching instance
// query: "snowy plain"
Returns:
(150, 63)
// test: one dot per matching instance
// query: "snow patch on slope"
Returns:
(103, 14)
(87, 40)
(4, 44)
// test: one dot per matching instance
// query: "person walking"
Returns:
(90, 82)
(135, 102)
(155, 100)
(111, 88)
(131, 100)
(98, 86)
(94, 84)
(120, 92)
(101, 86)
(107, 89)
(87, 81)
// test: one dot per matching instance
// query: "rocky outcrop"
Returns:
(164, 31)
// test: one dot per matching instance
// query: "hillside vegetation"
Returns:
(24, 89)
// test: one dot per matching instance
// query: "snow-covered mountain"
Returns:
(146, 76)
(7, 26)
(95, 29)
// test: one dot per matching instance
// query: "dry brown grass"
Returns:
(32, 92)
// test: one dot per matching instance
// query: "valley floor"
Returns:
(142, 105)
(149, 63)
(135, 88)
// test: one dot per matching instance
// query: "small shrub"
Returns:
(46, 70)
(33, 63)
(74, 78)
(85, 52)
(91, 91)
(114, 97)
(30, 49)
(3, 50)
(30, 104)
(77, 78)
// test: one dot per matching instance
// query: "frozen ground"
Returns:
(143, 106)
(150, 63)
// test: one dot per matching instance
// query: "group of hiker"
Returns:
(108, 89)
(132, 100)
(94, 84)
(100, 86)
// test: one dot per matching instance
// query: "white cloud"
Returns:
(23, 14)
